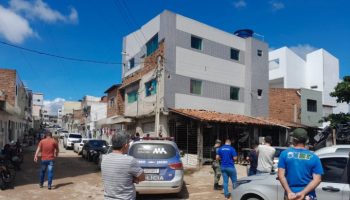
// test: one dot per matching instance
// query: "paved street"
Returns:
(76, 178)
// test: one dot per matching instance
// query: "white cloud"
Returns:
(13, 27)
(303, 49)
(42, 11)
(53, 106)
(240, 4)
(277, 5)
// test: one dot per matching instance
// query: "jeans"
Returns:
(228, 172)
(46, 164)
(252, 171)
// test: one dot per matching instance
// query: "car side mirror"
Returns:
(182, 153)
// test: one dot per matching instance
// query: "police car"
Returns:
(161, 163)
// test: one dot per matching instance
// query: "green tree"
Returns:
(342, 91)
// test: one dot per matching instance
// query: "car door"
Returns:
(334, 183)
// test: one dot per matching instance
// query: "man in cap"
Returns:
(216, 165)
(299, 170)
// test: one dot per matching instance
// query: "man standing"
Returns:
(266, 154)
(253, 159)
(120, 171)
(216, 165)
(49, 150)
(299, 170)
(227, 155)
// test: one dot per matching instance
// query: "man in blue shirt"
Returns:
(227, 155)
(299, 170)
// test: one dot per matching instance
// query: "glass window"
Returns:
(259, 52)
(152, 45)
(311, 105)
(151, 87)
(152, 151)
(234, 54)
(132, 97)
(131, 63)
(111, 102)
(234, 93)
(196, 87)
(334, 170)
(196, 42)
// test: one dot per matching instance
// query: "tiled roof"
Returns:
(211, 116)
(284, 123)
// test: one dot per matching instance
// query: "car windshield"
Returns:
(152, 151)
(98, 143)
(75, 136)
(278, 152)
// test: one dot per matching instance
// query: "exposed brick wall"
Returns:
(112, 110)
(8, 85)
(120, 102)
(281, 104)
(150, 63)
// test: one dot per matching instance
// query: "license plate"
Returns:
(154, 177)
(151, 171)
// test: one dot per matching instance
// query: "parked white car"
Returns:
(334, 185)
(70, 139)
(334, 148)
(79, 146)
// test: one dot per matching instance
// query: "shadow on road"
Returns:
(63, 184)
(66, 165)
(183, 194)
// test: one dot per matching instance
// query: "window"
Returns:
(196, 87)
(314, 87)
(152, 45)
(334, 170)
(132, 97)
(196, 42)
(260, 52)
(38, 100)
(152, 151)
(234, 93)
(234, 54)
(311, 105)
(131, 63)
(111, 102)
(151, 87)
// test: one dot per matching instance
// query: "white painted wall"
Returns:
(137, 39)
(330, 77)
(314, 70)
(202, 30)
(196, 102)
(280, 72)
(197, 65)
(295, 70)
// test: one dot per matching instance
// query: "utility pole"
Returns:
(157, 107)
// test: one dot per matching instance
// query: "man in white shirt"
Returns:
(266, 154)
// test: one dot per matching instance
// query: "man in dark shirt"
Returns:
(253, 159)
(216, 165)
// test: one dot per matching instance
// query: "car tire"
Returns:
(253, 198)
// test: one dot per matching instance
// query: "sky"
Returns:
(94, 29)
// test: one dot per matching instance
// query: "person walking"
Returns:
(253, 159)
(49, 150)
(227, 155)
(216, 165)
(120, 171)
(266, 154)
(299, 170)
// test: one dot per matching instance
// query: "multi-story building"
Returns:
(67, 110)
(302, 106)
(38, 105)
(15, 103)
(176, 62)
(93, 110)
(319, 70)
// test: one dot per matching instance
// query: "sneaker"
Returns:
(49, 187)
(41, 185)
(228, 196)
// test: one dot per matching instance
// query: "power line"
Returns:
(59, 56)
